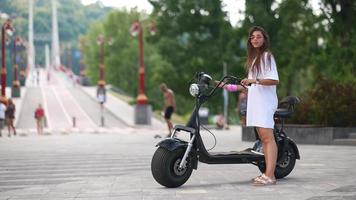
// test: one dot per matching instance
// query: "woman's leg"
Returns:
(41, 126)
(269, 149)
(8, 126)
(12, 126)
(38, 126)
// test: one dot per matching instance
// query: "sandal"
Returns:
(264, 180)
(256, 178)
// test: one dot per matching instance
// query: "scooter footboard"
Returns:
(172, 144)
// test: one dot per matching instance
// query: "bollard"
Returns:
(73, 120)
(102, 121)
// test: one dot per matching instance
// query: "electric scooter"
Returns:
(174, 160)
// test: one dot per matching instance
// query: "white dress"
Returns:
(262, 100)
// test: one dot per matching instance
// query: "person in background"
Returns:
(2, 117)
(10, 116)
(242, 107)
(40, 117)
(169, 106)
(220, 121)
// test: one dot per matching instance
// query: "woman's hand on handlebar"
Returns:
(247, 82)
(230, 87)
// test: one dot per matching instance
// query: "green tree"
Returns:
(122, 57)
(293, 37)
(338, 40)
(73, 20)
(193, 36)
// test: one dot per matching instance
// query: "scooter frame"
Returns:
(193, 127)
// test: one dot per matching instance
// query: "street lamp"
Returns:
(23, 55)
(101, 91)
(143, 111)
(136, 29)
(81, 63)
(101, 40)
(8, 29)
(16, 84)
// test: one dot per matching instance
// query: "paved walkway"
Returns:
(116, 166)
(123, 110)
(62, 100)
(110, 164)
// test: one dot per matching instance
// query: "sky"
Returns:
(232, 6)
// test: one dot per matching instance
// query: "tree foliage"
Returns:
(121, 59)
(193, 36)
(196, 35)
(73, 21)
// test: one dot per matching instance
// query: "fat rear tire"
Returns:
(164, 167)
(284, 167)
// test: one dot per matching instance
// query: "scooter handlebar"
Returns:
(229, 80)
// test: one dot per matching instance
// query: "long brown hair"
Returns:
(253, 53)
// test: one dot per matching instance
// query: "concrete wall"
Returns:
(306, 134)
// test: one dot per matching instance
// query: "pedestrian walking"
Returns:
(220, 121)
(40, 117)
(2, 117)
(101, 97)
(10, 116)
(169, 106)
(101, 94)
(38, 75)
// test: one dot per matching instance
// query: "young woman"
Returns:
(262, 97)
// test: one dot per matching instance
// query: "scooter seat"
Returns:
(283, 113)
(286, 107)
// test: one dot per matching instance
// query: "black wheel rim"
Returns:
(179, 171)
(286, 161)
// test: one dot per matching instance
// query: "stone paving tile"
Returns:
(72, 167)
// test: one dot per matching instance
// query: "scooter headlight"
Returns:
(194, 89)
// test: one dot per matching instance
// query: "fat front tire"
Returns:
(284, 167)
(165, 167)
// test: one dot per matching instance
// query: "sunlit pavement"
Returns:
(67, 106)
(116, 165)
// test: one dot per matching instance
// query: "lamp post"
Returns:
(142, 109)
(23, 55)
(101, 40)
(81, 63)
(15, 92)
(7, 28)
(101, 91)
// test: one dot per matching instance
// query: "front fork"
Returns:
(187, 151)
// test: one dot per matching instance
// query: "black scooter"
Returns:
(174, 160)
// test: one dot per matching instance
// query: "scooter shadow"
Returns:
(220, 184)
(236, 183)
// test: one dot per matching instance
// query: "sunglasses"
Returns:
(256, 37)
